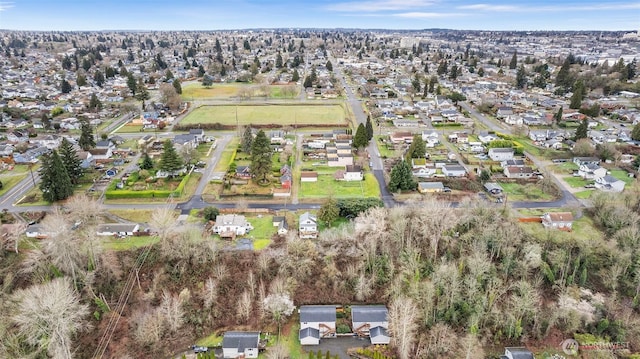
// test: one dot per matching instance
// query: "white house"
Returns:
(501, 154)
(353, 173)
(308, 176)
(308, 226)
(231, 225)
(591, 171)
(240, 345)
(371, 320)
(609, 183)
(486, 137)
(322, 321)
(558, 220)
(117, 229)
(518, 172)
(454, 171)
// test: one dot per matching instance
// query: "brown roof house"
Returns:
(558, 220)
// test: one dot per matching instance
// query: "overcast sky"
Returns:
(71, 15)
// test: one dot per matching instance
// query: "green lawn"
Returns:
(259, 244)
(123, 244)
(195, 91)
(382, 147)
(577, 182)
(623, 176)
(583, 194)
(212, 340)
(133, 215)
(263, 227)
(529, 192)
(583, 230)
(132, 129)
(564, 168)
(227, 156)
(332, 114)
(9, 180)
(327, 186)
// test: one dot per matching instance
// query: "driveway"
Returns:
(338, 346)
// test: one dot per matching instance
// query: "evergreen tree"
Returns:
(582, 130)
(247, 140)
(81, 80)
(86, 140)
(417, 149)
(168, 74)
(329, 211)
(170, 161)
(360, 139)
(481, 72)
(453, 73)
(55, 182)
(329, 66)
(142, 94)
(521, 77)
(296, 76)
(558, 116)
(176, 85)
(278, 60)
(369, 128)
(131, 84)
(260, 157)
(98, 78)
(635, 133)
(307, 82)
(401, 177)
(70, 160)
(94, 103)
(65, 86)
(514, 61)
(147, 162)
(563, 78)
(577, 96)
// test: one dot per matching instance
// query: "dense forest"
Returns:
(470, 275)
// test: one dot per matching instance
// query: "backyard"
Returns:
(195, 91)
(525, 192)
(327, 186)
(285, 115)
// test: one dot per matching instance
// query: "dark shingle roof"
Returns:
(317, 313)
(309, 332)
(241, 340)
(369, 313)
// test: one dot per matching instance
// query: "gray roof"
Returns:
(369, 313)
(317, 313)
(309, 332)
(501, 150)
(116, 227)
(519, 353)
(241, 340)
(429, 185)
(491, 186)
(377, 332)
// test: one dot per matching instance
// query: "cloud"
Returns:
(550, 8)
(379, 5)
(4, 6)
(428, 15)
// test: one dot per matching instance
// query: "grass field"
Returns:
(133, 215)
(577, 182)
(583, 194)
(9, 180)
(327, 186)
(242, 115)
(623, 176)
(124, 244)
(195, 91)
(529, 192)
(262, 227)
(227, 156)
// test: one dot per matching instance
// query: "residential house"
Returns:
(243, 172)
(322, 320)
(517, 353)
(197, 134)
(417, 163)
(49, 141)
(591, 171)
(425, 172)
(516, 163)
(231, 225)
(538, 135)
(430, 187)
(486, 137)
(353, 173)
(609, 183)
(240, 345)
(454, 171)
(371, 320)
(111, 172)
(285, 177)
(276, 137)
(586, 160)
(493, 188)
(281, 223)
(307, 226)
(504, 112)
(35, 231)
(401, 137)
(501, 154)
(86, 159)
(557, 220)
(101, 154)
(6, 150)
(431, 138)
(18, 136)
(308, 176)
(518, 172)
(117, 229)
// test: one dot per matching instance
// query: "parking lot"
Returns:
(339, 345)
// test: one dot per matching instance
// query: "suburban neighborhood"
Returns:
(315, 193)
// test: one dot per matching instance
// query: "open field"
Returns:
(195, 91)
(327, 186)
(528, 192)
(286, 115)
(577, 182)
(623, 176)
(133, 215)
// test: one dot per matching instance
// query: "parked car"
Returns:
(199, 349)
(590, 186)
(446, 189)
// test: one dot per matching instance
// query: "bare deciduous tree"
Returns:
(83, 208)
(162, 220)
(48, 315)
(171, 309)
(244, 306)
(279, 306)
(403, 325)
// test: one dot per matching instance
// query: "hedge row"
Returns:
(113, 193)
(220, 127)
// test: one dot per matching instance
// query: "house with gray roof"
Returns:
(371, 320)
(240, 345)
(517, 353)
(322, 320)
(307, 226)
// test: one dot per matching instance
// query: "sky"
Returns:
(75, 15)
